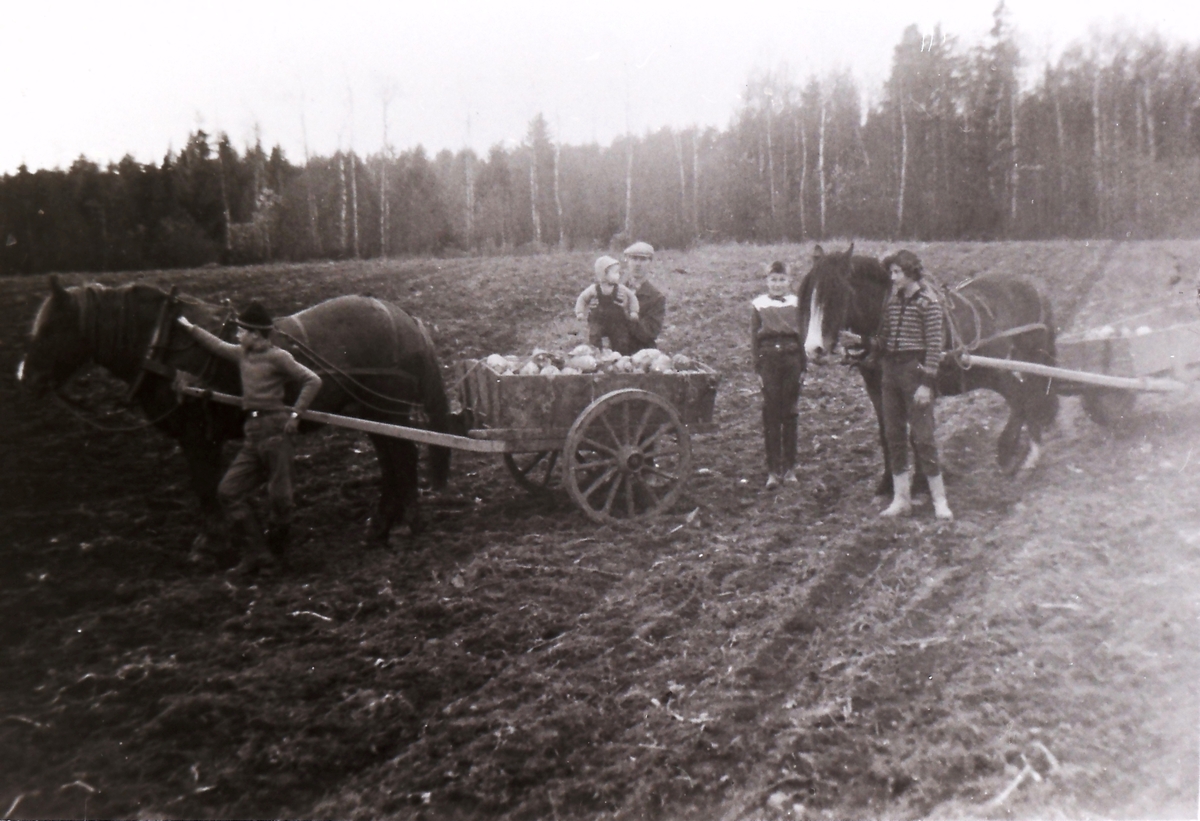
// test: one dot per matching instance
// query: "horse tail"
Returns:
(436, 405)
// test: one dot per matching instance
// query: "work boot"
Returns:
(257, 562)
(902, 499)
(937, 489)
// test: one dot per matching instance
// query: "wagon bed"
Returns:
(619, 443)
(1155, 351)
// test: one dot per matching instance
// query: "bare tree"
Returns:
(821, 163)
(769, 101)
(695, 184)
(682, 177)
(342, 191)
(803, 134)
(314, 236)
(562, 236)
(903, 164)
(1098, 152)
(533, 197)
(354, 201)
(384, 157)
(1016, 166)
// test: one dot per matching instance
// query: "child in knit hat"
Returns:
(607, 306)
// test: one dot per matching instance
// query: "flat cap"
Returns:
(640, 249)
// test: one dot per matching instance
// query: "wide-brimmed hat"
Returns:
(255, 318)
(909, 263)
(640, 249)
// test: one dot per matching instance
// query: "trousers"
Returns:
(903, 419)
(265, 455)
(781, 366)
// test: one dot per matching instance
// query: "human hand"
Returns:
(292, 426)
(633, 315)
(923, 396)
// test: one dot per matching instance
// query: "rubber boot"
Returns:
(937, 489)
(902, 499)
(255, 556)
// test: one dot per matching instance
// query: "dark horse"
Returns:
(996, 315)
(376, 362)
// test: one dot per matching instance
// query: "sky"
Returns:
(115, 78)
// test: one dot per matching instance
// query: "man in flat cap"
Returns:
(652, 305)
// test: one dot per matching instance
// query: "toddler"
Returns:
(607, 306)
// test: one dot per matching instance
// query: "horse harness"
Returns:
(153, 359)
(958, 346)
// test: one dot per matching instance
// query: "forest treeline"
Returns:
(1103, 143)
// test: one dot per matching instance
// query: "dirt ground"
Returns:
(748, 655)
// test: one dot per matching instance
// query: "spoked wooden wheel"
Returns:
(536, 472)
(627, 456)
(1108, 406)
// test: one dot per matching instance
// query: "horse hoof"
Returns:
(377, 534)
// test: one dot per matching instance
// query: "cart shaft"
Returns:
(1140, 383)
(428, 437)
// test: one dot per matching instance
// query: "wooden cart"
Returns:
(1157, 351)
(619, 443)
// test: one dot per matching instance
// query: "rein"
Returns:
(80, 412)
(346, 381)
(958, 348)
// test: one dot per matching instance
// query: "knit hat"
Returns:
(603, 264)
(255, 318)
(640, 249)
(909, 263)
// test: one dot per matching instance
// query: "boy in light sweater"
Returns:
(269, 428)
(779, 361)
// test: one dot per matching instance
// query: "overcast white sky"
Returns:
(112, 78)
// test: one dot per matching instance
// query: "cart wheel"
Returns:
(535, 472)
(627, 456)
(1108, 406)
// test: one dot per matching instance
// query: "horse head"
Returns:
(57, 348)
(825, 300)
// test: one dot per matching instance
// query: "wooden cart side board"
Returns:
(1169, 350)
(552, 403)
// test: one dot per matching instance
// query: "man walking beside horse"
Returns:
(270, 425)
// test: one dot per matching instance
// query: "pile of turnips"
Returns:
(588, 359)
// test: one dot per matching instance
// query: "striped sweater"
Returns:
(914, 323)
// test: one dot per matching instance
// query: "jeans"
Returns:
(903, 419)
(781, 366)
(266, 454)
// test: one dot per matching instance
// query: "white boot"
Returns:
(902, 495)
(937, 489)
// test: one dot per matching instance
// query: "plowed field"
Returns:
(748, 655)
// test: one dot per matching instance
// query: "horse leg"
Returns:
(1008, 446)
(398, 460)
(203, 458)
(873, 379)
(380, 525)
(406, 469)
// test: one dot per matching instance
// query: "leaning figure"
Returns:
(267, 448)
